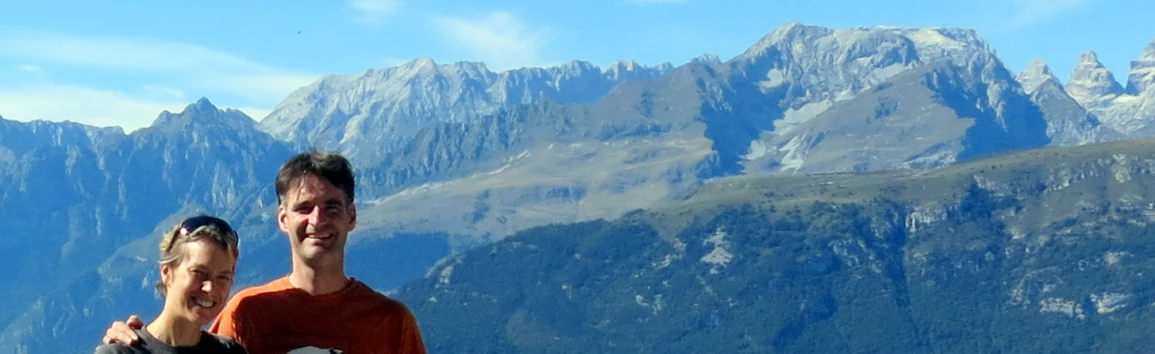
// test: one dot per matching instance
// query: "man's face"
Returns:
(317, 219)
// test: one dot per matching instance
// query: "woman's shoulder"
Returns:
(117, 348)
(221, 344)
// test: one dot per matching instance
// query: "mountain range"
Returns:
(452, 157)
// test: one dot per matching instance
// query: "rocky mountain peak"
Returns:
(576, 68)
(421, 63)
(789, 32)
(203, 115)
(707, 59)
(632, 69)
(627, 65)
(419, 67)
(1091, 82)
(1035, 74)
(1142, 71)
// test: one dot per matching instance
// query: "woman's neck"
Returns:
(174, 331)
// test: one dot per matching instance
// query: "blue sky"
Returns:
(122, 62)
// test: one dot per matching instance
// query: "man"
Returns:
(317, 307)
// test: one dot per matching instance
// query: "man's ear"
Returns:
(352, 216)
(281, 216)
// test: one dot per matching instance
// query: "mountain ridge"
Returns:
(475, 161)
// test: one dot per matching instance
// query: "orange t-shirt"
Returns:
(278, 318)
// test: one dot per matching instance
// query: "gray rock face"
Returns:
(1126, 113)
(848, 100)
(369, 115)
(1142, 71)
(1091, 83)
(1035, 75)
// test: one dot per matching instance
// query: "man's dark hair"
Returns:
(328, 166)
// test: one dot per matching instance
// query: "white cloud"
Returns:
(1028, 12)
(156, 90)
(96, 107)
(174, 71)
(374, 12)
(85, 105)
(499, 39)
(118, 53)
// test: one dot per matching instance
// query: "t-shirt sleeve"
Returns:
(114, 349)
(411, 341)
(232, 347)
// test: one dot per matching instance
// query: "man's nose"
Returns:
(317, 215)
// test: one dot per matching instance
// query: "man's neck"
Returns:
(318, 281)
(174, 332)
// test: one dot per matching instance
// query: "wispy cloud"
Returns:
(97, 107)
(31, 68)
(500, 39)
(85, 105)
(163, 91)
(1029, 12)
(373, 12)
(175, 71)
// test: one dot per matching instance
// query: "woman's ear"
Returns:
(165, 274)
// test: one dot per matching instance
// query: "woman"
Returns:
(197, 260)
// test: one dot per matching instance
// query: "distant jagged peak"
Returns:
(631, 65)
(786, 33)
(203, 113)
(577, 67)
(793, 30)
(1142, 75)
(939, 42)
(944, 38)
(1035, 75)
(417, 66)
(202, 105)
(625, 64)
(1089, 59)
(423, 62)
(1149, 51)
(1038, 67)
(707, 59)
(1090, 81)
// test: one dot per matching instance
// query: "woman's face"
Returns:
(198, 287)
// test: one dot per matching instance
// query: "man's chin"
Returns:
(316, 256)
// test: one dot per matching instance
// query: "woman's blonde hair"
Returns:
(200, 227)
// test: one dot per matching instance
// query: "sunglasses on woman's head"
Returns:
(192, 224)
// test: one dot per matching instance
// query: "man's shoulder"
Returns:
(275, 285)
(379, 302)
